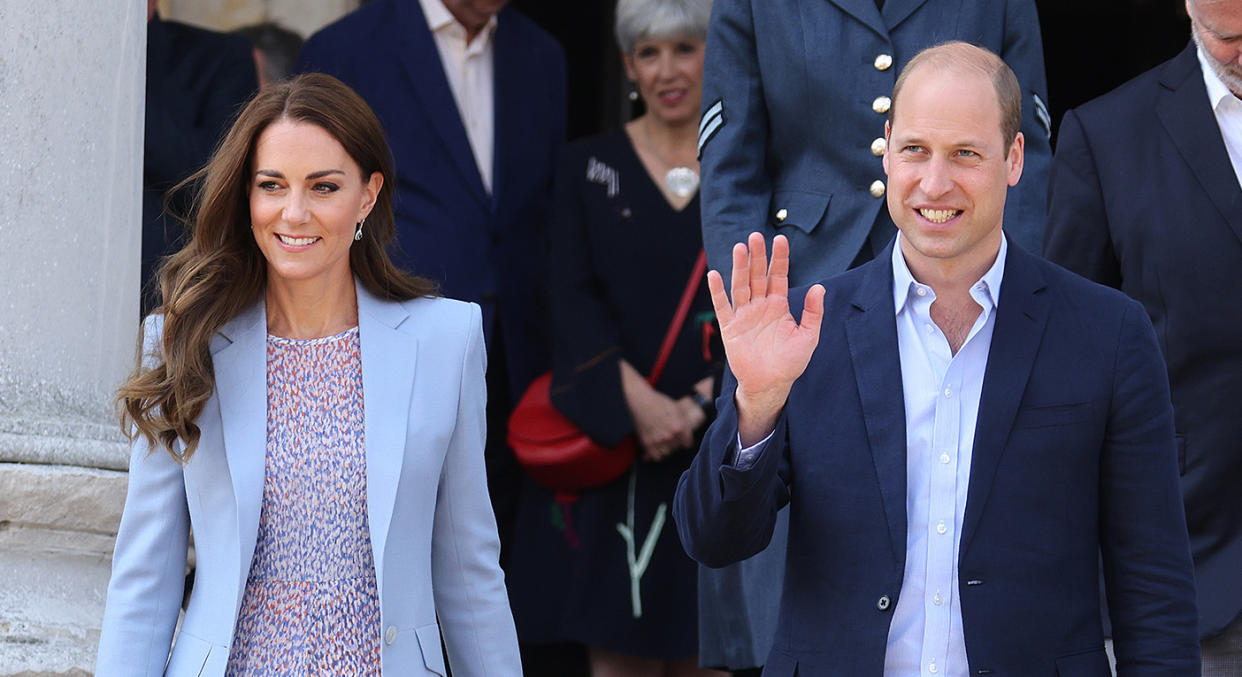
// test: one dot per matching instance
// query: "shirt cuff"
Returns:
(745, 459)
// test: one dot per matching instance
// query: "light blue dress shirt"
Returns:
(941, 392)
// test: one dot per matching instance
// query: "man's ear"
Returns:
(888, 132)
(1016, 158)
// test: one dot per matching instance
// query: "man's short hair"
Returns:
(961, 56)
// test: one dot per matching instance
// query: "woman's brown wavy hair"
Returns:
(221, 270)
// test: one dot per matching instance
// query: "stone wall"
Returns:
(71, 124)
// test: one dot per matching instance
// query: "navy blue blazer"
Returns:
(797, 81)
(1144, 198)
(489, 249)
(1073, 457)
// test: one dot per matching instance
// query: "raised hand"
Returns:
(766, 348)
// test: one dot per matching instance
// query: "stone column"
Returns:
(71, 126)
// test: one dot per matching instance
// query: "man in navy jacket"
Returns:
(1146, 196)
(471, 203)
(960, 430)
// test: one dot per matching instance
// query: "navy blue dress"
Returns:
(621, 257)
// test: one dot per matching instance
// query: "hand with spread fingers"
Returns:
(766, 348)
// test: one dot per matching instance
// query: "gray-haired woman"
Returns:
(632, 599)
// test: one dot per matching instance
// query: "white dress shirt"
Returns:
(469, 68)
(941, 392)
(1228, 111)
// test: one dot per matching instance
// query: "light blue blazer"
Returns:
(432, 529)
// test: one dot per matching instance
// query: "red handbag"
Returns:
(554, 451)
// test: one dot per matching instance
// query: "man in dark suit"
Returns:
(472, 97)
(795, 95)
(1146, 196)
(196, 81)
(975, 428)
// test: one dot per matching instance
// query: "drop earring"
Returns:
(358, 230)
(633, 95)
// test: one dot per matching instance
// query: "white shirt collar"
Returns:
(439, 18)
(986, 289)
(1216, 89)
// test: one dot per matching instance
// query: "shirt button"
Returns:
(937, 600)
(883, 62)
(877, 188)
(932, 668)
(944, 458)
(920, 291)
(948, 392)
(878, 146)
(883, 603)
(941, 529)
(881, 104)
(391, 635)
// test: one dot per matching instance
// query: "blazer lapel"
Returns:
(871, 331)
(1021, 316)
(1187, 116)
(239, 361)
(421, 60)
(896, 11)
(864, 11)
(511, 114)
(388, 359)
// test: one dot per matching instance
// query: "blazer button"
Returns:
(883, 603)
(391, 635)
(883, 62)
(877, 188)
(878, 146)
(782, 214)
(881, 104)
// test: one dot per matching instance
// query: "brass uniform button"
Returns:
(881, 104)
(781, 214)
(883, 62)
(877, 188)
(878, 146)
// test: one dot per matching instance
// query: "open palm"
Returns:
(767, 349)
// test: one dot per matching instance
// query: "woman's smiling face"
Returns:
(306, 197)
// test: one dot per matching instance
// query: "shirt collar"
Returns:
(986, 291)
(1216, 89)
(438, 18)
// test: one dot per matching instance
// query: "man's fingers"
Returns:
(813, 310)
(758, 265)
(741, 275)
(720, 300)
(778, 271)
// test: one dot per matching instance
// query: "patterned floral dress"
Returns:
(311, 605)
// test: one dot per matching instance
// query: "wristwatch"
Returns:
(708, 407)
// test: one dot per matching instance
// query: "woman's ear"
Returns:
(370, 193)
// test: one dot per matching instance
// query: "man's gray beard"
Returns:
(1231, 79)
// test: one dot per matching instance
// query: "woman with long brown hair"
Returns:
(315, 417)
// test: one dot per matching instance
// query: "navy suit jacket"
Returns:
(489, 249)
(196, 82)
(797, 80)
(1073, 457)
(1144, 198)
